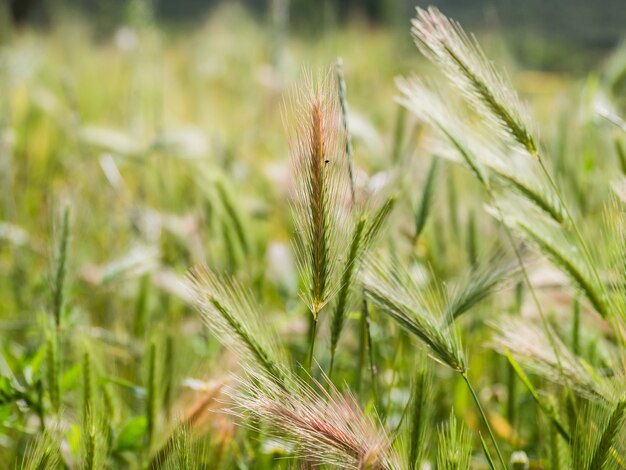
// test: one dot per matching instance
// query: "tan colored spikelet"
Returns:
(327, 427)
(320, 193)
(444, 42)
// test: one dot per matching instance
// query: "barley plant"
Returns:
(296, 280)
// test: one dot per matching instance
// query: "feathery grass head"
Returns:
(599, 437)
(455, 447)
(532, 348)
(229, 311)
(565, 253)
(43, 453)
(427, 104)
(444, 42)
(320, 182)
(326, 426)
(484, 280)
(397, 294)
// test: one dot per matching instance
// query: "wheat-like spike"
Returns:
(426, 199)
(58, 294)
(231, 314)
(427, 104)
(599, 437)
(343, 101)
(233, 214)
(347, 279)
(611, 433)
(421, 393)
(444, 42)
(541, 197)
(378, 221)
(477, 286)
(52, 371)
(565, 256)
(530, 346)
(151, 394)
(327, 428)
(318, 168)
(478, 154)
(455, 446)
(402, 299)
(43, 454)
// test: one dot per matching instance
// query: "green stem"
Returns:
(484, 418)
(576, 327)
(579, 236)
(312, 334)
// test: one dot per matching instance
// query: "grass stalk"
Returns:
(343, 102)
(151, 399)
(58, 295)
(347, 278)
(484, 419)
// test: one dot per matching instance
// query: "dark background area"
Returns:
(545, 34)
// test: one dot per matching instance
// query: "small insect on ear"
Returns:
(326, 162)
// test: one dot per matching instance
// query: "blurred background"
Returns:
(158, 125)
(552, 35)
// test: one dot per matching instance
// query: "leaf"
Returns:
(131, 436)
(492, 466)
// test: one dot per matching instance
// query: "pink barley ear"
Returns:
(320, 193)
(325, 426)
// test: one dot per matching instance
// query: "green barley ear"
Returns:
(397, 294)
(455, 447)
(419, 410)
(621, 154)
(471, 242)
(318, 169)
(565, 254)
(52, 369)
(141, 305)
(599, 437)
(427, 103)
(531, 346)
(347, 281)
(612, 433)
(233, 213)
(44, 454)
(151, 394)
(233, 317)
(426, 199)
(546, 407)
(378, 220)
(343, 102)
(88, 405)
(58, 294)
(444, 42)
(483, 281)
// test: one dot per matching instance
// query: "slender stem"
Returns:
(362, 352)
(484, 418)
(576, 327)
(370, 351)
(343, 102)
(312, 334)
(533, 293)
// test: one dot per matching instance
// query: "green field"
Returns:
(222, 249)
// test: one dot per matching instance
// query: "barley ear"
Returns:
(444, 42)
(58, 294)
(347, 281)
(426, 199)
(319, 176)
